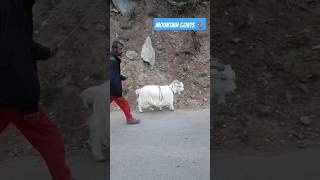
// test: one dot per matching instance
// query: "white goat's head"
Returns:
(177, 86)
(223, 81)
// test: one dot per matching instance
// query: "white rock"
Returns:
(147, 52)
(124, 6)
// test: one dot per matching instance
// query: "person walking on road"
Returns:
(115, 82)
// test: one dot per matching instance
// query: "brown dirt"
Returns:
(274, 62)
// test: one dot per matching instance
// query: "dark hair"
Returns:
(116, 44)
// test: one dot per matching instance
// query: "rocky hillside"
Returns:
(273, 46)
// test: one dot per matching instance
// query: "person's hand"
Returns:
(31, 118)
(123, 78)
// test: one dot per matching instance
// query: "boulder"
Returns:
(124, 6)
(147, 52)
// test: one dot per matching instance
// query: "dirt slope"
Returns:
(272, 45)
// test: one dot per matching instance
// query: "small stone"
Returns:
(304, 88)
(301, 146)
(84, 27)
(258, 148)
(289, 96)
(87, 78)
(305, 120)
(100, 27)
(44, 23)
(236, 40)
(316, 47)
(264, 110)
(232, 53)
(298, 136)
(250, 47)
(131, 54)
(282, 124)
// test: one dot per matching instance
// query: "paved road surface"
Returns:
(165, 146)
(82, 165)
(173, 145)
(294, 164)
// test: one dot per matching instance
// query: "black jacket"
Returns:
(19, 84)
(116, 77)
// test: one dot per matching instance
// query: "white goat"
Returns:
(95, 100)
(158, 96)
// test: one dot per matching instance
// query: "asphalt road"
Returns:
(290, 164)
(173, 146)
(83, 167)
(165, 146)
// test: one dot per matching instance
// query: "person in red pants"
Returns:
(20, 89)
(115, 82)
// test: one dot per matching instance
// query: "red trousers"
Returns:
(123, 104)
(43, 135)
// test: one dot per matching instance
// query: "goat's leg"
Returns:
(140, 109)
(96, 133)
(139, 106)
(171, 106)
(105, 134)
